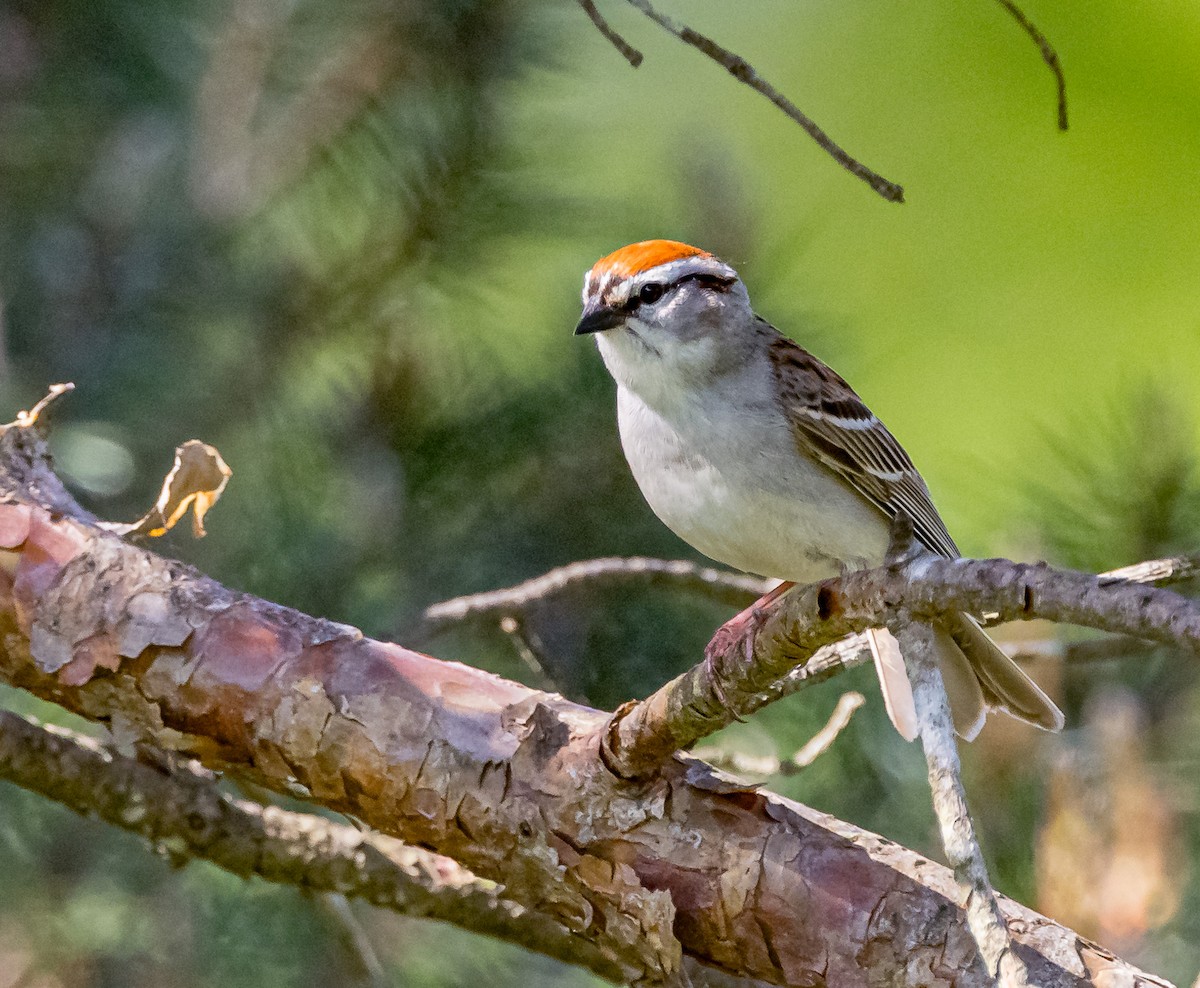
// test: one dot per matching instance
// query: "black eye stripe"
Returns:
(658, 290)
(715, 282)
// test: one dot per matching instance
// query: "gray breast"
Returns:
(727, 479)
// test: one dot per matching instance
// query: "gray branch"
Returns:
(713, 694)
(747, 764)
(963, 853)
(491, 607)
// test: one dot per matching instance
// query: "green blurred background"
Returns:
(344, 243)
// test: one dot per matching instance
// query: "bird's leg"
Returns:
(741, 629)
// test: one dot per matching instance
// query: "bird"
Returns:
(757, 454)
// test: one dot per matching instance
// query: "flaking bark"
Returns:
(502, 778)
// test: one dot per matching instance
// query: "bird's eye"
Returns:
(651, 293)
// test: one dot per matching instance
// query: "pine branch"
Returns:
(503, 779)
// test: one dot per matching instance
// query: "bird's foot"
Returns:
(737, 632)
(740, 630)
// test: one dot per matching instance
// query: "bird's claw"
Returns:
(738, 631)
(713, 651)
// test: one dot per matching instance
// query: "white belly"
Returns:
(728, 481)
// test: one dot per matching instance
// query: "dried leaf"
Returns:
(195, 482)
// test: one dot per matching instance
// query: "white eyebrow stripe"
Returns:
(672, 271)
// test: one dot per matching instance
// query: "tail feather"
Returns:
(1005, 685)
(977, 676)
(968, 705)
(893, 682)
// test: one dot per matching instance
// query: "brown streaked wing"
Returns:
(831, 422)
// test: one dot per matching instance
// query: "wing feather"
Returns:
(829, 421)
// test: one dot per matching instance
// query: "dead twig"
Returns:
(1109, 649)
(529, 647)
(354, 939)
(823, 740)
(1174, 569)
(27, 418)
(744, 72)
(813, 748)
(1049, 56)
(628, 52)
(735, 589)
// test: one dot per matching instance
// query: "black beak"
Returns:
(598, 320)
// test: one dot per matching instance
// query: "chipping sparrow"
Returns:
(760, 456)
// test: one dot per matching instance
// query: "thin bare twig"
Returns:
(744, 72)
(1113, 648)
(1174, 569)
(821, 742)
(813, 748)
(986, 922)
(1049, 56)
(4, 361)
(27, 418)
(735, 589)
(630, 54)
